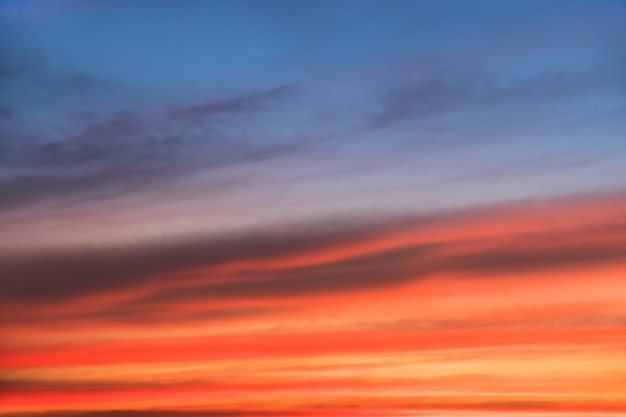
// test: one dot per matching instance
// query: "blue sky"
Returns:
(329, 107)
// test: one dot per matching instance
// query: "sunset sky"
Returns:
(333, 208)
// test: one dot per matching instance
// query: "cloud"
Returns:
(231, 105)
(448, 98)
(386, 269)
(101, 139)
(81, 137)
(523, 260)
(121, 154)
(396, 267)
(269, 264)
(45, 276)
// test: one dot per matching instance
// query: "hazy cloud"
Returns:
(57, 276)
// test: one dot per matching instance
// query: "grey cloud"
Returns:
(418, 100)
(120, 154)
(393, 270)
(429, 99)
(354, 275)
(521, 260)
(241, 103)
(62, 275)
(54, 277)
(98, 156)
(387, 268)
(79, 143)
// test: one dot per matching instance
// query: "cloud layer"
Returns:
(329, 208)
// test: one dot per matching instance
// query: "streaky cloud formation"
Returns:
(328, 208)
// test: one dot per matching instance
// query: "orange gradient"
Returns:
(507, 311)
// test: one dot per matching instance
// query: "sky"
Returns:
(339, 208)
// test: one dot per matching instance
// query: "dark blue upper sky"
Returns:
(247, 112)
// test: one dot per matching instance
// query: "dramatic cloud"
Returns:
(317, 259)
